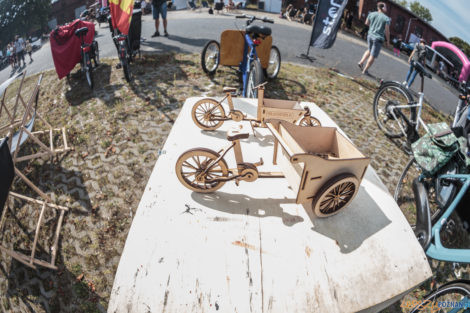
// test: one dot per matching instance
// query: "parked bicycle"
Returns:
(128, 46)
(251, 50)
(88, 52)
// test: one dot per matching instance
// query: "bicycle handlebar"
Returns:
(253, 18)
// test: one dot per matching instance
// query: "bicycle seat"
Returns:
(81, 31)
(421, 70)
(229, 89)
(235, 134)
(259, 30)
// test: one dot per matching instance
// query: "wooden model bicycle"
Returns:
(209, 114)
(320, 164)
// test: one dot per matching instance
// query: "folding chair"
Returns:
(24, 129)
(7, 172)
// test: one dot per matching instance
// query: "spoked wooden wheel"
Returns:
(208, 114)
(309, 121)
(336, 194)
(193, 163)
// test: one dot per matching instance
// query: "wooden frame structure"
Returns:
(18, 132)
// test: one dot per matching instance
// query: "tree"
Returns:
(461, 44)
(421, 11)
(22, 17)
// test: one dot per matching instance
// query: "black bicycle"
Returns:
(88, 52)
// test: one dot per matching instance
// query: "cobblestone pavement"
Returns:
(118, 130)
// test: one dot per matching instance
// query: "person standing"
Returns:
(19, 45)
(159, 7)
(417, 56)
(29, 50)
(379, 30)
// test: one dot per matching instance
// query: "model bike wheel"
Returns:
(274, 64)
(255, 77)
(392, 94)
(439, 196)
(208, 114)
(309, 121)
(210, 57)
(335, 195)
(88, 70)
(193, 162)
(447, 296)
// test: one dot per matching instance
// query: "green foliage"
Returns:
(403, 3)
(421, 11)
(461, 44)
(22, 18)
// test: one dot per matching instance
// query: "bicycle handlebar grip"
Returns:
(268, 20)
(240, 16)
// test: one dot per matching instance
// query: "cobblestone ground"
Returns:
(118, 130)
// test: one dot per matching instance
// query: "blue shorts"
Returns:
(159, 11)
(374, 46)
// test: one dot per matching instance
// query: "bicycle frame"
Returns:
(248, 57)
(414, 123)
(436, 250)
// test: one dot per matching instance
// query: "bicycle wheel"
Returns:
(208, 114)
(96, 53)
(453, 297)
(125, 68)
(309, 121)
(255, 77)
(88, 70)
(439, 195)
(210, 57)
(392, 94)
(193, 162)
(274, 65)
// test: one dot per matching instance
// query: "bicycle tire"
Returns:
(402, 92)
(96, 53)
(88, 70)
(440, 197)
(207, 69)
(275, 58)
(125, 68)
(452, 292)
(204, 111)
(255, 77)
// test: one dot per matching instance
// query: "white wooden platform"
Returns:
(252, 249)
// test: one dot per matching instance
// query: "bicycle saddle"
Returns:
(421, 70)
(81, 31)
(235, 134)
(259, 30)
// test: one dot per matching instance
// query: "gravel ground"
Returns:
(118, 130)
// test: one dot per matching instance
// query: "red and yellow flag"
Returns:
(121, 14)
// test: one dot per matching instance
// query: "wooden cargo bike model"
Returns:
(209, 114)
(320, 164)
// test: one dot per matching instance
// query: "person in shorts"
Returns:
(379, 30)
(417, 56)
(19, 45)
(159, 7)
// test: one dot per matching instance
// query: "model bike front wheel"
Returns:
(198, 170)
(335, 195)
(274, 64)
(210, 57)
(388, 117)
(255, 77)
(208, 114)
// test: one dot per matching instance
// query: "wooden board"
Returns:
(252, 249)
(231, 48)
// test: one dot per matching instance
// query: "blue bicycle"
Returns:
(251, 50)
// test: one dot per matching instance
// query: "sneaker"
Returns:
(360, 65)
(166, 34)
(366, 72)
(156, 34)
